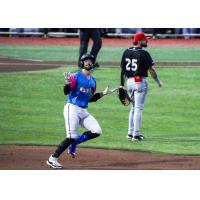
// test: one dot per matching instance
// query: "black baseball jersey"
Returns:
(135, 61)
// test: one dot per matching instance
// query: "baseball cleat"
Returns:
(129, 137)
(138, 138)
(71, 152)
(53, 163)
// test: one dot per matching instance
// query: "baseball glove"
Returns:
(123, 96)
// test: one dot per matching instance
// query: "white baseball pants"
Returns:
(75, 116)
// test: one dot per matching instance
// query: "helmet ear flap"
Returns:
(81, 64)
(94, 64)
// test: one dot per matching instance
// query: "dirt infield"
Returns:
(34, 157)
(16, 65)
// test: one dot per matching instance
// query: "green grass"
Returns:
(31, 111)
(56, 53)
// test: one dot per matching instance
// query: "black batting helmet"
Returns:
(87, 56)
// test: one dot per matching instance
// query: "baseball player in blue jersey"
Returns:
(81, 89)
(135, 64)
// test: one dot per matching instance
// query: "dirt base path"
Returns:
(13, 64)
(15, 157)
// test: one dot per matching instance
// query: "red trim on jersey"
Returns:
(73, 82)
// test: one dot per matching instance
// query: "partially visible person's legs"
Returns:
(84, 40)
(97, 41)
(53, 159)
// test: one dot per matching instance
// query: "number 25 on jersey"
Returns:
(131, 64)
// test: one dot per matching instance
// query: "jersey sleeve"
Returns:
(66, 89)
(122, 65)
(149, 61)
(123, 69)
(96, 97)
(94, 89)
(73, 82)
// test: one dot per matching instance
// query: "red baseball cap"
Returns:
(139, 37)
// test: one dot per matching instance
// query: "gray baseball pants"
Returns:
(138, 93)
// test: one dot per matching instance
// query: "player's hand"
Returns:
(160, 84)
(106, 91)
(68, 77)
(109, 90)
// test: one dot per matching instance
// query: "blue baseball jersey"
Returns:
(82, 89)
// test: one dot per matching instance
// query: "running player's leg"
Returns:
(91, 124)
(71, 125)
(71, 115)
(93, 127)
(94, 130)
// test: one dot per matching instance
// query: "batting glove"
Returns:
(106, 90)
(109, 90)
(68, 77)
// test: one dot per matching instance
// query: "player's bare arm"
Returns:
(155, 76)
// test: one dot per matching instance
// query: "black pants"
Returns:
(85, 35)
